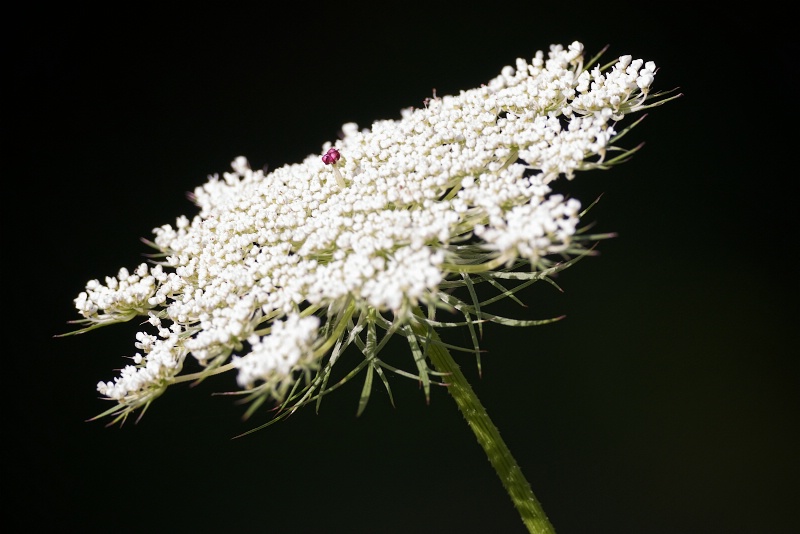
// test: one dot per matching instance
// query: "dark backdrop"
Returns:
(666, 401)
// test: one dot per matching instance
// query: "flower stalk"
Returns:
(487, 434)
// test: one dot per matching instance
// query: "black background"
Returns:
(666, 401)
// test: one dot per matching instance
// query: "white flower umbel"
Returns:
(279, 272)
(449, 207)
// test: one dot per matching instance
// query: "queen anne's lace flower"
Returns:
(279, 271)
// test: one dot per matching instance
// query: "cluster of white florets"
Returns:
(149, 374)
(377, 220)
(121, 298)
(273, 358)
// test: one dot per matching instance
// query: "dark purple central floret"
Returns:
(331, 157)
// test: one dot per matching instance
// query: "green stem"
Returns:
(488, 436)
